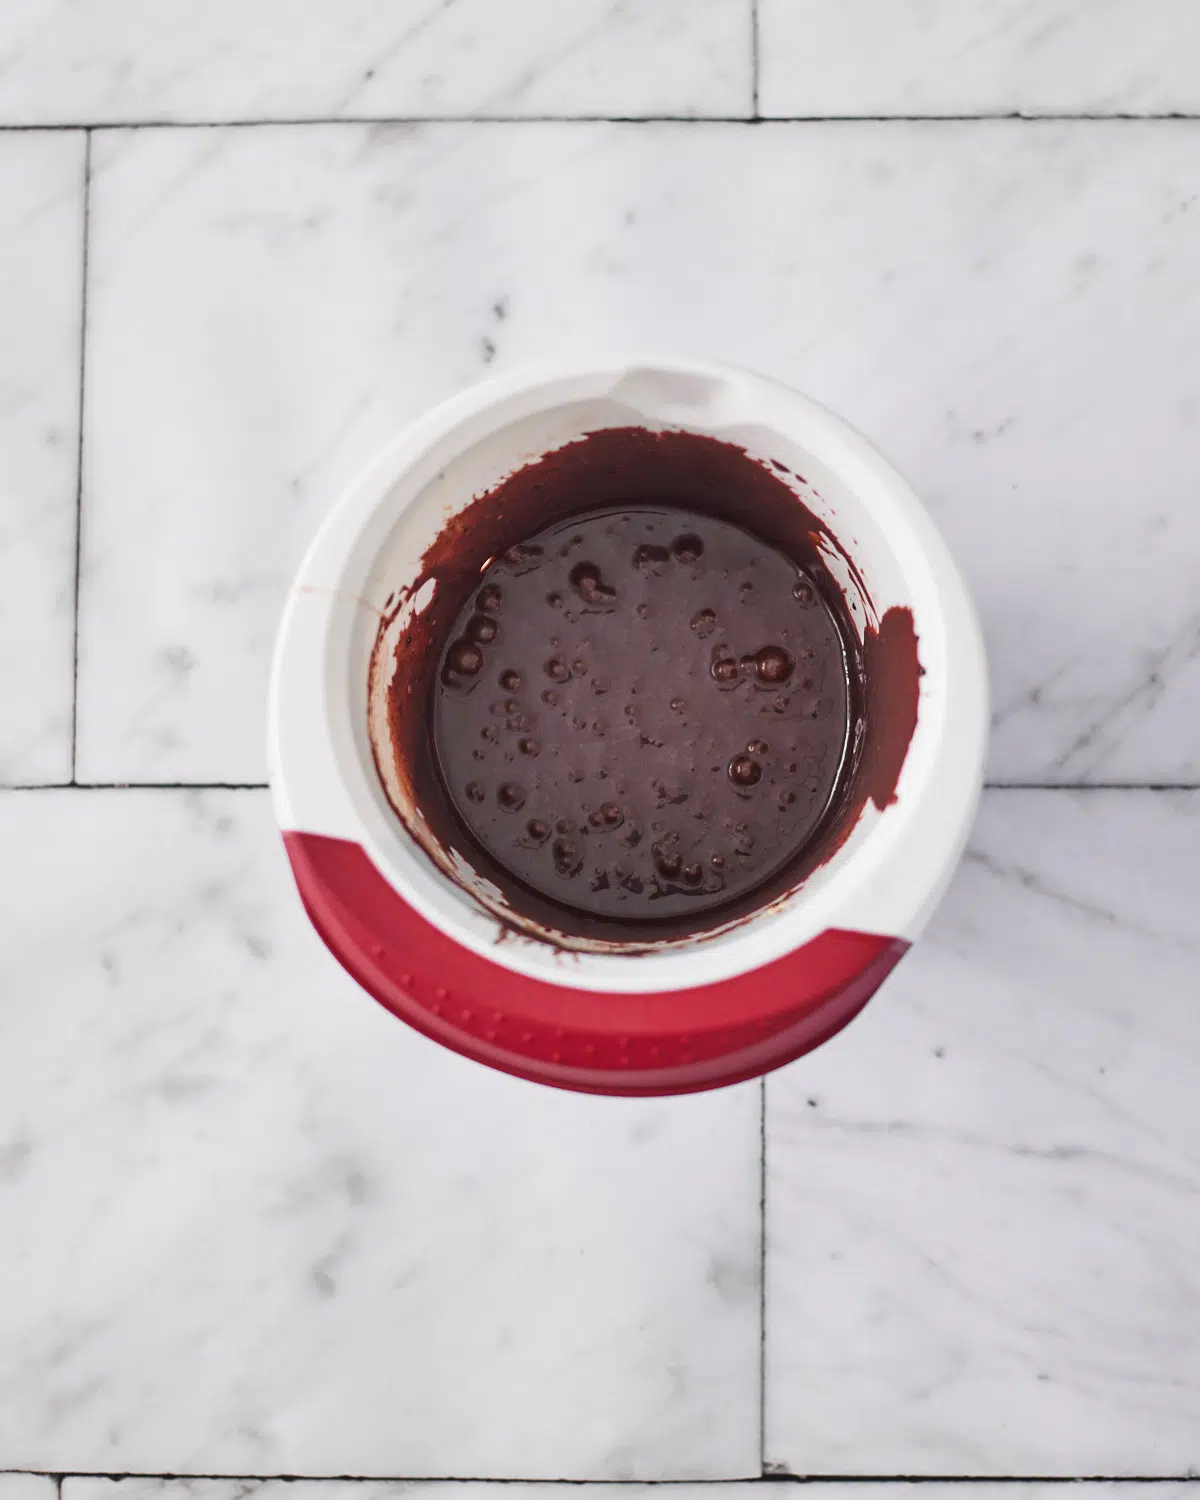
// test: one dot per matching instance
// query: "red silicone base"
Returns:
(671, 1042)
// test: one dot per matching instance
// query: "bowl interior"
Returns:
(876, 552)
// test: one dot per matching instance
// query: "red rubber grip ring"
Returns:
(670, 1042)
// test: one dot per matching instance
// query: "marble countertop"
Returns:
(252, 1227)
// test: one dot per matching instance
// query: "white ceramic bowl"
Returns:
(421, 937)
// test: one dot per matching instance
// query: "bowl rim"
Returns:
(888, 885)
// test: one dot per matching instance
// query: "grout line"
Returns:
(1029, 117)
(439, 1479)
(83, 310)
(755, 60)
(776, 1477)
(173, 786)
(1189, 1477)
(1026, 117)
(136, 786)
(762, 1277)
(1091, 786)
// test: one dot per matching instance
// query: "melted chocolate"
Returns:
(607, 728)
(643, 714)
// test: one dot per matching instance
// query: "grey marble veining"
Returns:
(259, 1226)
(130, 60)
(984, 1196)
(1008, 309)
(41, 265)
(914, 57)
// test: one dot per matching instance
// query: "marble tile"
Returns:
(41, 261)
(1009, 310)
(28, 1487)
(984, 1196)
(880, 57)
(132, 61)
(260, 1227)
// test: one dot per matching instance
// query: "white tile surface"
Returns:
(251, 1225)
(41, 261)
(28, 1487)
(984, 1196)
(935, 57)
(258, 1226)
(132, 60)
(1008, 309)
